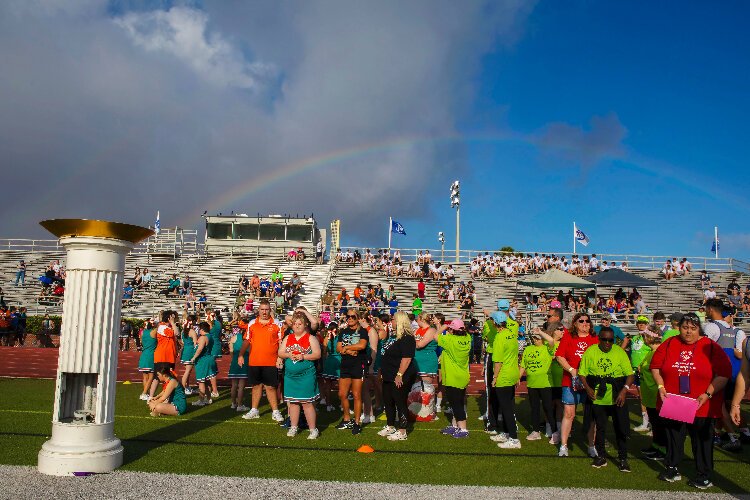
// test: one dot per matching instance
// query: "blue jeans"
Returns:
(20, 275)
(571, 397)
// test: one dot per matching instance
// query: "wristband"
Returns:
(399, 374)
(709, 395)
(570, 370)
(660, 386)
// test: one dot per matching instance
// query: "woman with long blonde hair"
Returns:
(398, 374)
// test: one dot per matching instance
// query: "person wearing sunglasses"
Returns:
(569, 354)
(606, 374)
(352, 342)
(696, 367)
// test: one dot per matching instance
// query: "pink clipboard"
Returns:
(680, 408)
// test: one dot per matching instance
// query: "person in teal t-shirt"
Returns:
(507, 375)
(607, 321)
(606, 375)
(535, 363)
(454, 371)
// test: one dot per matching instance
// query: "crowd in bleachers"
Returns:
(282, 294)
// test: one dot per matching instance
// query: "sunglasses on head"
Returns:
(607, 339)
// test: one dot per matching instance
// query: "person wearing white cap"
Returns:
(454, 371)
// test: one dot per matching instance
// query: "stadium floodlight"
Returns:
(456, 203)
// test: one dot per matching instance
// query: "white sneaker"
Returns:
(548, 431)
(188, 391)
(500, 438)
(368, 419)
(233, 406)
(314, 434)
(242, 408)
(215, 395)
(397, 436)
(386, 431)
(510, 444)
(644, 427)
(534, 436)
(292, 431)
(277, 416)
(555, 439)
(200, 402)
(563, 451)
(252, 414)
(143, 397)
(592, 452)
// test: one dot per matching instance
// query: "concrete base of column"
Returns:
(80, 448)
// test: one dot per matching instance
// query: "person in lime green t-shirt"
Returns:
(489, 332)
(535, 364)
(507, 375)
(454, 373)
(649, 390)
(606, 375)
(674, 331)
(638, 351)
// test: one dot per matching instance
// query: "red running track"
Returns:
(35, 362)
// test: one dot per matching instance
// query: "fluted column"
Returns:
(83, 438)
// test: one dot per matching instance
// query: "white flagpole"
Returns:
(574, 237)
(390, 233)
(716, 241)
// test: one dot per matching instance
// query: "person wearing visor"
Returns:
(693, 366)
(606, 374)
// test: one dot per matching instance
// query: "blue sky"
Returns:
(675, 80)
(627, 117)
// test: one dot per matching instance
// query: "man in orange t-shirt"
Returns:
(263, 338)
(166, 343)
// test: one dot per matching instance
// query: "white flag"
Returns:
(582, 238)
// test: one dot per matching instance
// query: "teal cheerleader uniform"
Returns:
(146, 361)
(205, 365)
(426, 359)
(300, 379)
(215, 334)
(332, 363)
(188, 349)
(378, 357)
(177, 398)
(235, 370)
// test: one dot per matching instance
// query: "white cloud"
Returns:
(117, 117)
(182, 33)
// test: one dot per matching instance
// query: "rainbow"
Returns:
(275, 175)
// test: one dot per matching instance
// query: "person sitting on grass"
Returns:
(171, 400)
(606, 374)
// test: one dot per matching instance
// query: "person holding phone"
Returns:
(692, 366)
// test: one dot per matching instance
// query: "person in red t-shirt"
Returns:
(696, 367)
(568, 355)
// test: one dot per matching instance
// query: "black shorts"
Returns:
(266, 375)
(161, 365)
(353, 371)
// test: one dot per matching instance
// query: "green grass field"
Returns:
(215, 440)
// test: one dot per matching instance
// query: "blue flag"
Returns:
(714, 247)
(397, 228)
(157, 224)
(582, 238)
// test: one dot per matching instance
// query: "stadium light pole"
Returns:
(441, 239)
(456, 203)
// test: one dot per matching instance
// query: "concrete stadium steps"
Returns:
(216, 275)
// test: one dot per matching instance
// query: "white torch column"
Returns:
(83, 438)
